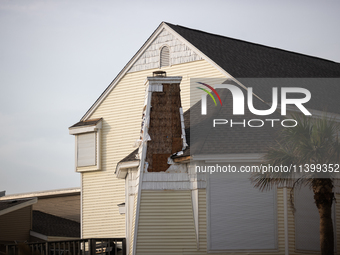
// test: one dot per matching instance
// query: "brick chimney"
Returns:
(162, 120)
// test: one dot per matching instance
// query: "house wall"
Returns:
(16, 225)
(166, 224)
(121, 112)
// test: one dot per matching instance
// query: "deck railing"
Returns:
(93, 246)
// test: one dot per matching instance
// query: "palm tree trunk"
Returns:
(323, 196)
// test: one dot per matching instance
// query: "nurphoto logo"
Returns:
(239, 102)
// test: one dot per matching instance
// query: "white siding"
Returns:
(179, 53)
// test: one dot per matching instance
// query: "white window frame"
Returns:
(84, 130)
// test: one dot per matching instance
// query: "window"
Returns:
(240, 216)
(165, 56)
(86, 149)
(87, 134)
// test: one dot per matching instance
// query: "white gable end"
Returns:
(179, 53)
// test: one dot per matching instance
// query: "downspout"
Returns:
(285, 216)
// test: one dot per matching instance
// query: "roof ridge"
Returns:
(253, 43)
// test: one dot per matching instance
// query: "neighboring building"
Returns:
(40, 216)
(15, 220)
(158, 201)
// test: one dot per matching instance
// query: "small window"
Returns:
(88, 135)
(86, 149)
(165, 56)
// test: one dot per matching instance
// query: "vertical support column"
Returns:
(124, 246)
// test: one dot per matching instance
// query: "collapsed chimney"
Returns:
(162, 116)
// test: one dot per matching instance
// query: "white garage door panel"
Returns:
(240, 216)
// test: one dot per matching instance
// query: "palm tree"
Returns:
(312, 144)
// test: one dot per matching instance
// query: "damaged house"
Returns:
(138, 160)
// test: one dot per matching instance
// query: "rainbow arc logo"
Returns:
(208, 92)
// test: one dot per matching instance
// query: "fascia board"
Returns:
(42, 194)
(85, 129)
(38, 235)
(46, 238)
(82, 130)
(19, 206)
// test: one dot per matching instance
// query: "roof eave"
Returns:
(123, 167)
(19, 206)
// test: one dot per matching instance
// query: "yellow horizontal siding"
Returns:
(167, 227)
(121, 111)
(166, 223)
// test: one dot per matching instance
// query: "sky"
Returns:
(57, 57)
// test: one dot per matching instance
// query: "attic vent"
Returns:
(165, 56)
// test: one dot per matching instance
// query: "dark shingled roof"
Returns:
(50, 225)
(91, 122)
(10, 203)
(244, 59)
